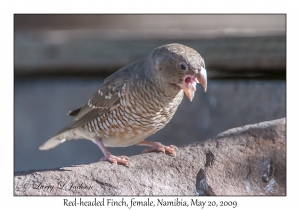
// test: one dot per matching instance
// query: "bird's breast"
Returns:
(139, 115)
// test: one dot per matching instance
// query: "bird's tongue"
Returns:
(190, 87)
(190, 80)
(189, 83)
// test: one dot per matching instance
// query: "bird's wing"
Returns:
(74, 112)
(105, 99)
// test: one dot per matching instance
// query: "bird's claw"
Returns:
(174, 147)
(158, 147)
(116, 159)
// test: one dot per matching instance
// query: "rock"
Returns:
(249, 160)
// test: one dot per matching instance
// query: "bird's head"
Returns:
(179, 66)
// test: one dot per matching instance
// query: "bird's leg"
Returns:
(156, 146)
(109, 157)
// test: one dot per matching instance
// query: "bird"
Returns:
(136, 101)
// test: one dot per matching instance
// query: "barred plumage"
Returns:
(136, 101)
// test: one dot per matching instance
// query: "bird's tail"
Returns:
(60, 137)
(53, 142)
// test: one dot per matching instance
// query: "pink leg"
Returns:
(111, 158)
(156, 146)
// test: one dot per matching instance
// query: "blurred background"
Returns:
(61, 60)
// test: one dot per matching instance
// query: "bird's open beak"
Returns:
(189, 83)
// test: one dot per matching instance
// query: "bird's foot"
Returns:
(156, 146)
(111, 158)
(116, 159)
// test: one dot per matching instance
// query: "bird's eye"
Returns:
(183, 66)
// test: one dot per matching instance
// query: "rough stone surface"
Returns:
(249, 160)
